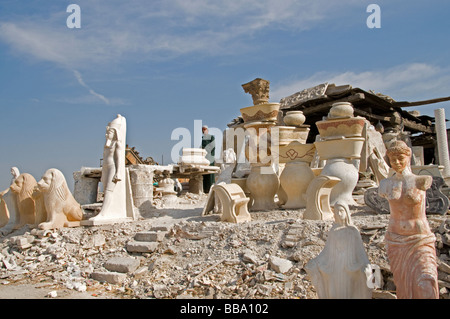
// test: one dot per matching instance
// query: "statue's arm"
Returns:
(4, 192)
(117, 162)
(382, 188)
(423, 182)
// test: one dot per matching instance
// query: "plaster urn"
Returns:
(297, 174)
(340, 148)
(346, 127)
(340, 110)
(348, 173)
(263, 185)
(294, 180)
(294, 118)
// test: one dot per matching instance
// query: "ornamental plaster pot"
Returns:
(288, 134)
(347, 172)
(340, 148)
(347, 127)
(263, 185)
(294, 118)
(261, 112)
(294, 180)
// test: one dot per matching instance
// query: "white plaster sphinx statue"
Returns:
(22, 188)
(61, 208)
(8, 204)
(342, 270)
(115, 177)
(410, 243)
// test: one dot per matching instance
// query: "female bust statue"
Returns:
(409, 240)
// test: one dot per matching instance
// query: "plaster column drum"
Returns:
(442, 143)
(141, 179)
(85, 188)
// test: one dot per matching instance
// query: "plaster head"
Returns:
(399, 155)
(342, 213)
(15, 172)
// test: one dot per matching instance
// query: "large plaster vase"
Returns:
(347, 172)
(263, 185)
(294, 118)
(260, 112)
(340, 148)
(347, 127)
(295, 179)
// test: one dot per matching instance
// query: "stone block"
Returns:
(122, 264)
(141, 246)
(110, 277)
(150, 236)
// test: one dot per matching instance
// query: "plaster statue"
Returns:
(227, 167)
(61, 208)
(23, 187)
(115, 178)
(39, 207)
(342, 270)
(410, 244)
(8, 204)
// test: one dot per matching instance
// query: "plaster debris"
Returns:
(198, 256)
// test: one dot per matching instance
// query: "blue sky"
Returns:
(163, 64)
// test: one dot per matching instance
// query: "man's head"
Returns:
(205, 129)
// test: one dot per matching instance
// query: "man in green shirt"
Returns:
(209, 144)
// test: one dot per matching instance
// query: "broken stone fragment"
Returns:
(110, 277)
(280, 265)
(160, 291)
(141, 246)
(249, 257)
(150, 236)
(122, 264)
(443, 266)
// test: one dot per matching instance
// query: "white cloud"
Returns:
(404, 82)
(113, 30)
(91, 91)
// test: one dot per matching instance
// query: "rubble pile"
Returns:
(194, 256)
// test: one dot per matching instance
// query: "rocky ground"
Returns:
(174, 252)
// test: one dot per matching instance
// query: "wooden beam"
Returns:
(417, 126)
(424, 102)
(372, 116)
